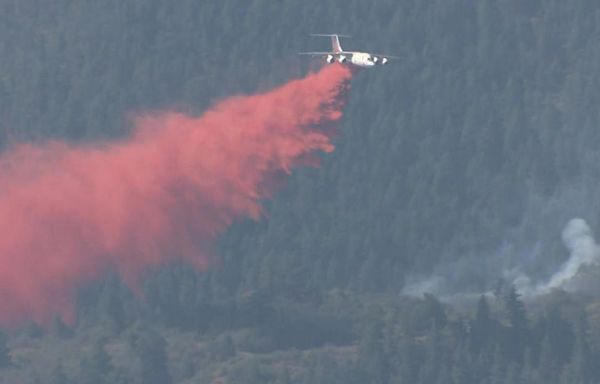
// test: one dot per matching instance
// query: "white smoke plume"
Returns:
(581, 271)
(583, 252)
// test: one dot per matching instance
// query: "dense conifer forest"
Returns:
(461, 161)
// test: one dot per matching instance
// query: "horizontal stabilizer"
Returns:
(318, 53)
(329, 34)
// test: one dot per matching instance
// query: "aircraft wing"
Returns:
(320, 53)
(386, 56)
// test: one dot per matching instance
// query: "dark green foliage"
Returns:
(485, 133)
(514, 337)
(58, 375)
(33, 330)
(96, 366)
(150, 349)
(462, 352)
(482, 328)
(5, 359)
(249, 371)
(371, 349)
(60, 329)
(223, 348)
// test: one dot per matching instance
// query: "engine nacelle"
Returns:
(375, 59)
(384, 61)
(342, 59)
(330, 59)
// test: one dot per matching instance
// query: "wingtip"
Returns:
(329, 34)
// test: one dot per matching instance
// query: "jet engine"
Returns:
(342, 59)
(330, 59)
(384, 60)
(375, 59)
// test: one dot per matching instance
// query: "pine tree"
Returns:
(517, 332)
(60, 329)
(58, 375)
(5, 358)
(548, 367)
(481, 327)
(96, 366)
(150, 349)
(461, 368)
(372, 356)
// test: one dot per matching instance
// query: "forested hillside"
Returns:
(462, 160)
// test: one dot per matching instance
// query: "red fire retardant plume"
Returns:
(70, 214)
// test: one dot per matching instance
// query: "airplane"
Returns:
(360, 59)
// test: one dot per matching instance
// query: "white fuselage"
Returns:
(362, 59)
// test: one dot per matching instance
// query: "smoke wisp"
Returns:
(578, 274)
(69, 214)
(583, 252)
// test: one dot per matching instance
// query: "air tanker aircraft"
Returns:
(361, 59)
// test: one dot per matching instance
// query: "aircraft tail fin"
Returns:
(335, 44)
(335, 41)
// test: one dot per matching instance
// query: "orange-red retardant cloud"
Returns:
(69, 214)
